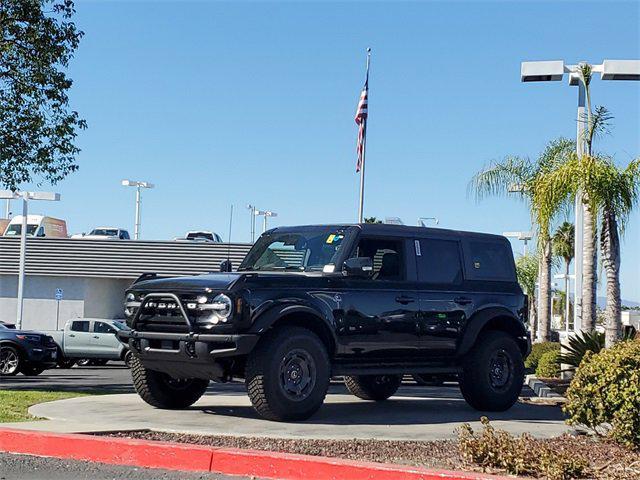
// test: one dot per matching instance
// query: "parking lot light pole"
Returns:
(265, 214)
(522, 236)
(138, 185)
(554, 70)
(25, 196)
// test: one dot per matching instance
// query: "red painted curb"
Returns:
(230, 461)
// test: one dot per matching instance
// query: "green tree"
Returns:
(521, 175)
(372, 220)
(527, 271)
(37, 129)
(563, 243)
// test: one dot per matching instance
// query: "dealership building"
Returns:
(80, 278)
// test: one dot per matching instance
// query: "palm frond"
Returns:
(579, 344)
(498, 178)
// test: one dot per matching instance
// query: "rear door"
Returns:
(77, 339)
(444, 306)
(104, 341)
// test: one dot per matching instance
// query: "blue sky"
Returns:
(235, 103)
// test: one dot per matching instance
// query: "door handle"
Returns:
(403, 299)
(71, 335)
(96, 336)
(462, 300)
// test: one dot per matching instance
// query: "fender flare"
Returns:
(15, 345)
(480, 319)
(268, 318)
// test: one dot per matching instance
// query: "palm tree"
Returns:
(563, 246)
(521, 175)
(527, 270)
(617, 194)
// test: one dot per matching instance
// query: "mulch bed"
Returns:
(607, 460)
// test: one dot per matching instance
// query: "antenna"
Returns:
(229, 237)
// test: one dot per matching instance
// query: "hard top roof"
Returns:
(391, 229)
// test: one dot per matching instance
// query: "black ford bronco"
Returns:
(368, 302)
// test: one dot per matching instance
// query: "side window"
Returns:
(490, 260)
(101, 327)
(80, 326)
(387, 256)
(439, 262)
(40, 232)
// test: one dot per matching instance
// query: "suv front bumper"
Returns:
(186, 347)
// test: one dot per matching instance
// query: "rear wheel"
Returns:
(493, 373)
(84, 362)
(64, 362)
(373, 387)
(128, 356)
(31, 370)
(10, 361)
(287, 375)
(162, 391)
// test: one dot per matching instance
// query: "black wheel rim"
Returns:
(500, 369)
(383, 380)
(297, 374)
(9, 361)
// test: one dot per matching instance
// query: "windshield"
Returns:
(120, 326)
(16, 229)
(306, 250)
(104, 232)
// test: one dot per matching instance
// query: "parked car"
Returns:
(105, 233)
(37, 226)
(25, 351)
(92, 339)
(200, 236)
(369, 302)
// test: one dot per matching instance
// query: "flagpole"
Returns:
(364, 149)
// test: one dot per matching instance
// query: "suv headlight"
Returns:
(130, 305)
(220, 310)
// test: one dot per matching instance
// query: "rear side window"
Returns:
(490, 260)
(439, 262)
(80, 326)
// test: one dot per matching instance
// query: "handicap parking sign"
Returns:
(59, 294)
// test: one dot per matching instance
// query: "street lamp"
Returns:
(522, 236)
(554, 71)
(25, 196)
(265, 214)
(421, 221)
(138, 185)
(252, 212)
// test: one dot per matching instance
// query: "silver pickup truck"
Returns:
(92, 339)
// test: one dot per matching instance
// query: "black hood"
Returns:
(214, 281)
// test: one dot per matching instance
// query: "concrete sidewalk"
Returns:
(416, 413)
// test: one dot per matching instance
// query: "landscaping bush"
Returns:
(579, 344)
(604, 394)
(517, 455)
(537, 350)
(549, 365)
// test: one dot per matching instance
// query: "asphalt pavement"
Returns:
(27, 467)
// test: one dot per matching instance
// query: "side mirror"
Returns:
(226, 266)
(358, 267)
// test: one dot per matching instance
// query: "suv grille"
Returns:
(163, 315)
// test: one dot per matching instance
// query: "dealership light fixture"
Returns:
(138, 185)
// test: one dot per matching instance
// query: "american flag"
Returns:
(361, 121)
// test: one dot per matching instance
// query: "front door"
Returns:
(104, 341)
(444, 306)
(381, 312)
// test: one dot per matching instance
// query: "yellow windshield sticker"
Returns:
(330, 238)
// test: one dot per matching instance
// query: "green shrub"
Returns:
(604, 394)
(579, 344)
(537, 350)
(549, 365)
(517, 455)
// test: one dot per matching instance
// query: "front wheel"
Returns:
(128, 357)
(373, 387)
(10, 361)
(493, 373)
(64, 362)
(162, 391)
(287, 375)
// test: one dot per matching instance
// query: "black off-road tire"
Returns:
(31, 371)
(64, 362)
(162, 391)
(484, 384)
(270, 370)
(373, 387)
